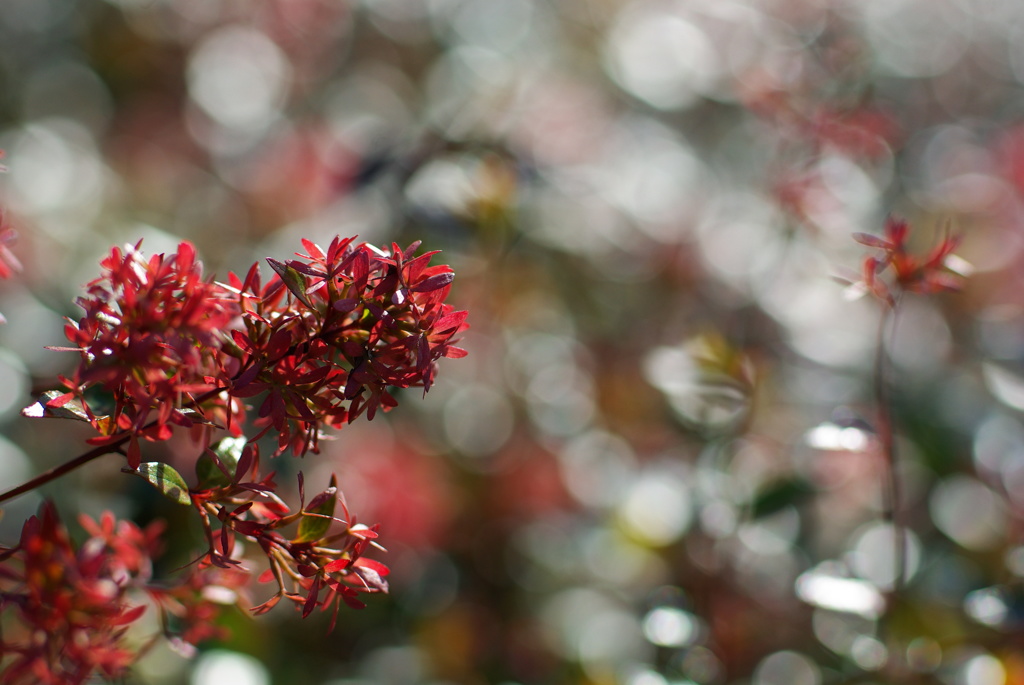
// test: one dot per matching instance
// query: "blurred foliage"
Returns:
(658, 463)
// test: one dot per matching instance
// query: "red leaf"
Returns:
(373, 564)
(279, 343)
(872, 241)
(245, 462)
(450, 321)
(252, 279)
(312, 249)
(249, 528)
(186, 256)
(266, 606)
(128, 616)
(310, 604)
(352, 601)
(337, 565)
(346, 305)
(57, 402)
(434, 282)
(134, 453)
(242, 340)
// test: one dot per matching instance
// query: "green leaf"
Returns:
(312, 528)
(72, 409)
(780, 494)
(195, 417)
(291, 278)
(165, 479)
(209, 475)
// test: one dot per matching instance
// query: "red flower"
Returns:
(195, 604)
(72, 605)
(910, 273)
(151, 335)
(322, 343)
(354, 322)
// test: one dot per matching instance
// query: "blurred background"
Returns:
(657, 466)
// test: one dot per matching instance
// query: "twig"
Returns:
(58, 471)
(892, 499)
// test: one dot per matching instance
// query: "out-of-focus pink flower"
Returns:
(9, 264)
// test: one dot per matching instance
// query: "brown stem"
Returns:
(58, 471)
(892, 502)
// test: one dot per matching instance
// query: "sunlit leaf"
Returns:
(212, 475)
(165, 479)
(54, 404)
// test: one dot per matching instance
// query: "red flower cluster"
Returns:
(72, 605)
(351, 322)
(151, 336)
(323, 342)
(340, 574)
(319, 556)
(909, 273)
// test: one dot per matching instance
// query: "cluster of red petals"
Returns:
(194, 605)
(322, 342)
(311, 575)
(908, 272)
(336, 329)
(323, 564)
(9, 264)
(151, 336)
(326, 340)
(71, 604)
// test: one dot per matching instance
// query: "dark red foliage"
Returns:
(195, 603)
(151, 336)
(325, 341)
(321, 564)
(72, 605)
(320, 345)
(350, 323)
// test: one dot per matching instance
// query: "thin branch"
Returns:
(58, 471)
(95, 453)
